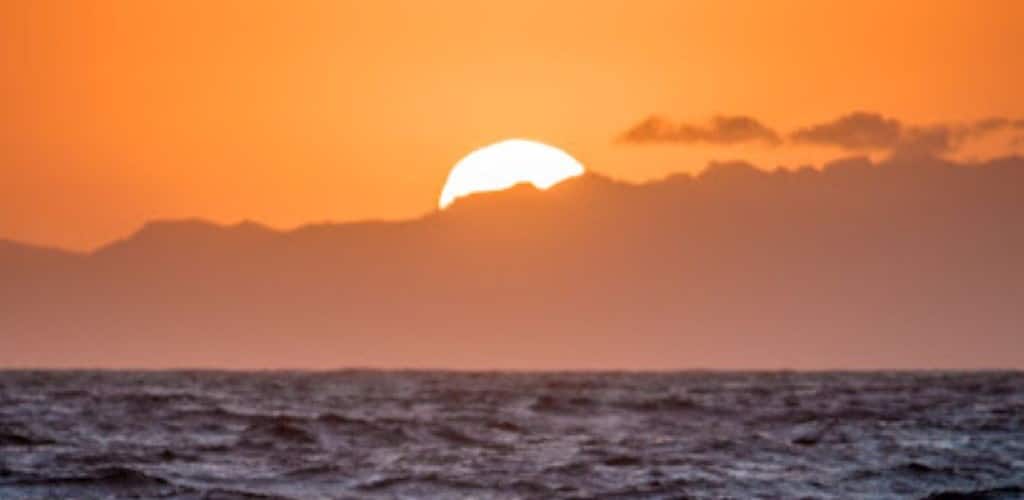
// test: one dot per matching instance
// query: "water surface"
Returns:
(364, 434)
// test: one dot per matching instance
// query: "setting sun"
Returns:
(511, 249)
(504, 164)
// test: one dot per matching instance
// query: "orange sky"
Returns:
(114, 113)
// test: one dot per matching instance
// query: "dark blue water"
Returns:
(445, 435)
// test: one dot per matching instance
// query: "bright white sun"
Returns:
(504, 164)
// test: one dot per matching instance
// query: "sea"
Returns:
(422, 434)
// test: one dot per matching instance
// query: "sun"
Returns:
(504, 164)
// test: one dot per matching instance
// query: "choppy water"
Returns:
(433, 434)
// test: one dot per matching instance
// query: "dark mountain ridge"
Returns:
(913, 262)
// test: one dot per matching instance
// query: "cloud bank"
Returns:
(859, 131)
(905, 262)
(724, 130)
(855, 131)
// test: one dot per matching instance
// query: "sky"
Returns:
(116, 113)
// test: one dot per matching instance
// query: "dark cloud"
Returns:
(795, 265)
(993, 124)
(725, 130)
(932, 141)
(860, 131)
(855, 131)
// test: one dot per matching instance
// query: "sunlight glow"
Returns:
(504, 164)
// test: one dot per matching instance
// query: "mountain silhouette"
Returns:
(911, 262)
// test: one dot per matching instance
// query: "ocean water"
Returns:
(367, 434)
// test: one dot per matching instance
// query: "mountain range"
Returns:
(908, 262)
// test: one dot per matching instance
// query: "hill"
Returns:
(913, 262)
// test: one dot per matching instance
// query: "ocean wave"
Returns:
(275, 431)
(425, 434)
(563, 405)
(10, 436)
(111, 476)
(1013, 492)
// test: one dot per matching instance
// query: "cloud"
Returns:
(859, 132)
(862, 131)
(933, 141)
(794, 264)
(722, 130)
(993, 124)
(855, 131)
